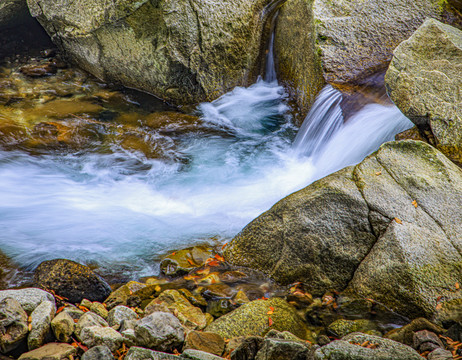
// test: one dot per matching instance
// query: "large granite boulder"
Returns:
(181, 51)
(349, 40)
(388, 229)
(425, 80)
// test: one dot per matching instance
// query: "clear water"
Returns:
(121, 209)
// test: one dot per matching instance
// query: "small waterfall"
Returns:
(323, 120)
(270, 69)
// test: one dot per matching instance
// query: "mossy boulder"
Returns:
(344, 42)
(252, 319)
(387, 229)
(424, 80)
(181, 51)
(71, 280)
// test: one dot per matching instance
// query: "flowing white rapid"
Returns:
(121, 209)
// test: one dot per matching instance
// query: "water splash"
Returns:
(123, 209)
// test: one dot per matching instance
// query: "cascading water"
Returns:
(123, 209)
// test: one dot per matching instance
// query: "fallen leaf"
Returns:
(191, 262)
(414, 203)
(219, 258)
(30, 327)
(457, 286)
(60, 309)
(223, 247)
(157, 288)
(270, 321)
(398, 220)
(270, 312)
(438, 306)
(378, 173)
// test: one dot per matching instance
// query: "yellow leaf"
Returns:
(398, 220)
(378, 173)
(158, 288)
(414, 203)
(457, 286)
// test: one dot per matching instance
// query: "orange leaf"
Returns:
(378, 173)
(270, 322)
(157, 288)
(219, 258)
(414, 203)
(83, 308)
(213, 263)
(224, 245)
(191, 262)
(173, 253)
(398, 220)
(60, 309)
(271, 312)
(271, 308)
(457, 286)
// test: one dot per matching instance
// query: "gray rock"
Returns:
(63, 326)
(87, 320)
(281, 349)
(349, 348)
(70, 279)
(127, 325)
(51, 351)
(98, 335)
(29, 298)
(74, 312)
(189, 51)
(160, 331)
(100, 352)
(346, 41)
(366, 228)
(118, 314)
(252, 319)
(13, 324)
(424, 80)
(137, 353)
(440, 354)
(425, 340)
(99, 309)
(199, 355)
(40, 325)
(247, 348)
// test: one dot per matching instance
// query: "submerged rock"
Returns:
(71, 280)
(183, 52)
(368, 228)
(424, 80)
(252, 319)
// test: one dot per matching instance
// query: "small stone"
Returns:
(73, 312)
(86, 303)
(100, 352)
(137, 353)
(281, 349)
(440, 354)
(29, 298)
(190, 316)
(39, 70)
(122, 294)
(425, 340)
(127, 325)
(323, 340)
(40, 325)
(119, 314)
(194, 299)
(205, 341)
(63, 326)
(51, 351)
(160, 331)
(405, 334)
(71, 280)
(97, 335)
(350, 348)
(87, 320)
(199, 355)
(185, 260)
(13, 324)
(342, 327)
(99, 309)
(247, 348)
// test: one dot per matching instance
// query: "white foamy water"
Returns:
(123, 209)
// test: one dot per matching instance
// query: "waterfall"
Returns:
(323, 120)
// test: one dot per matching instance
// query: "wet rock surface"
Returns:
(71, 280)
